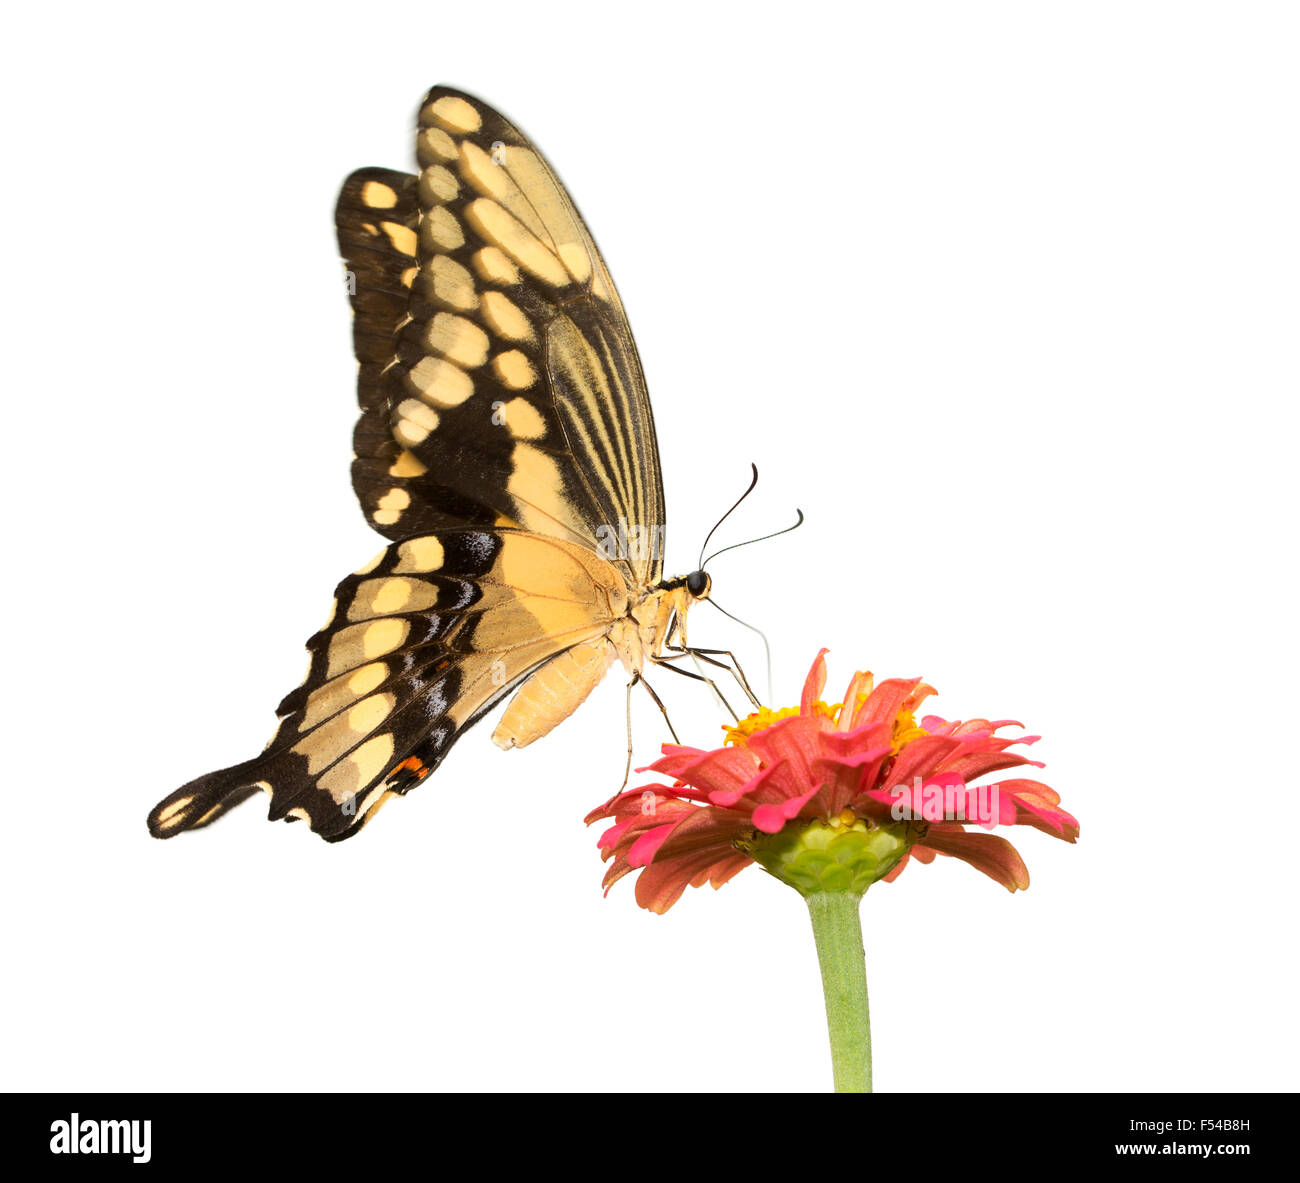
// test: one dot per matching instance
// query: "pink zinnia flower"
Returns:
(830, 798)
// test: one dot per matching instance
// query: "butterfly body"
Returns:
(506, 448)
(633, 639)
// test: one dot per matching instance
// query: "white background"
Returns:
(1004, 297)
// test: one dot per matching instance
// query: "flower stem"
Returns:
(838, 933)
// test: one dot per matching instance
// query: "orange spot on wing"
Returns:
(414, 765)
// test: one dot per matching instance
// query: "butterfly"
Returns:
(507, 449)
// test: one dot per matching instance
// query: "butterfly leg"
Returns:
(627, 768)
(665, 663)
(737, 671)
(707, 655)
(663, 710)
(676, 642)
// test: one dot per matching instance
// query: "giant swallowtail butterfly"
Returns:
(507, 449)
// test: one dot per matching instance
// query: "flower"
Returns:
(829, 798)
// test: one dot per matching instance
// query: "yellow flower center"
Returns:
(905, 730)
(764, 717)
(760, 720)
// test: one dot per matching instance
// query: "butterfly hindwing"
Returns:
(420, 643)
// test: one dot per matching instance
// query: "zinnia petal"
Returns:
(814, 684)
(990, 853)
(772, 818)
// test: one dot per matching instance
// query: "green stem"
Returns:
(838, 933)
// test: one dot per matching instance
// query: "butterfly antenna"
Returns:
(725, 516)
(767, 649)
(764, 538)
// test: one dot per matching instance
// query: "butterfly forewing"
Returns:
(512, 382)
(377, 216)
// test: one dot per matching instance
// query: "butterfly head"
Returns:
(686, 589)
(699, 585)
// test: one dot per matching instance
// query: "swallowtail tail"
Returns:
(506, 449)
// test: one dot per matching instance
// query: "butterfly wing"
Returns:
(499, 381)
(505, 444)
(420, 643)
(377, 216)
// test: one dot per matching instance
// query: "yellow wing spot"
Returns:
(458, 340)
(338, 735)
(576, 260)
(378, 195)
(434, 144)
(449, 284)
(364, 680)
(383, 637)
(392, 596)
(505, 318)
(451, 113)
(408, 276)
(383, 597)
(370, 712)
(438, 185)
(300, 813)
(538, 487)
(358, 643)
(439, 382)
(347, 777)
(481, 171)
(492, 264)
(501, 228)
(406, 465)
(523, 420)
(370, 566)
(391, 505)
(513, 370)
(418, 555)
(402, 237)
(439, 230)
(174, 808)
(414, 423)
(331, 698)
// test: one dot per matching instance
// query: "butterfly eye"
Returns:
(698, 584)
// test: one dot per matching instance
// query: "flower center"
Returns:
(764, 717)
(905, 730)
(761, 719)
